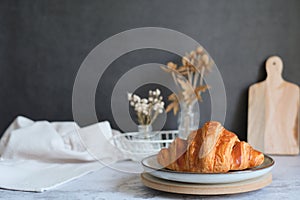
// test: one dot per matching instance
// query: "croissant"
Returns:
(210, 149)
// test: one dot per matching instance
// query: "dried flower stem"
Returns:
(195, 80)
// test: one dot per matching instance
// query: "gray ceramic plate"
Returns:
(152, 167)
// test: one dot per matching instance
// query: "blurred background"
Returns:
(43, 43)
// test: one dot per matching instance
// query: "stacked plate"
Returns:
(157, 177)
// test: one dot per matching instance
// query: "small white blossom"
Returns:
(145, 112)
(144, 101)
(136, 98)
(129, 96)
(157, 92)
(139, 109)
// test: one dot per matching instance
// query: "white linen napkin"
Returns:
(37, 156)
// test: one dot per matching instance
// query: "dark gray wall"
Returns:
(42, 44)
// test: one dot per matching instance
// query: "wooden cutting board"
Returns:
(273, 113)
(206, 189)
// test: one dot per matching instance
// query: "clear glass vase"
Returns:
(145, 130)
(145, 133)
(188, 119)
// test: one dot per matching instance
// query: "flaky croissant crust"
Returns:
(210, 149)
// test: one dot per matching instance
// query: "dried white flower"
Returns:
(147, 110)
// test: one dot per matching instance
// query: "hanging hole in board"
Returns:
(274, 63)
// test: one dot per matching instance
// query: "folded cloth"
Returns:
(37, 156)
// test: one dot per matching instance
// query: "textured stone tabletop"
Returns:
(120, 182)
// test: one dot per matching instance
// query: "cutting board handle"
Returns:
(274, 67)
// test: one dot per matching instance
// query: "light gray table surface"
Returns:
(116, 182)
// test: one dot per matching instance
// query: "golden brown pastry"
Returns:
(210, 149)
